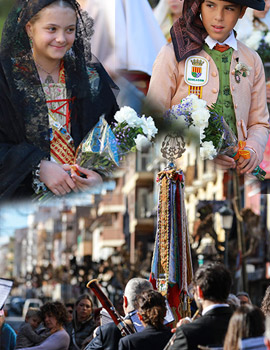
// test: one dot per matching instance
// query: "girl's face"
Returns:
(53, 33)
(176, 7)
(84, 310)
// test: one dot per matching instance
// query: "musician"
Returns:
(108, 335)
(212, 285)
(152, 309)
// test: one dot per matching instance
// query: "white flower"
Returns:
(141, 142)
(254, 40)
(267, 38)
(200, 117)
(148, 126)
(128, 115)
(207, 150)
(202, 136)
(191, 97)
(199, 104)
(243, 68)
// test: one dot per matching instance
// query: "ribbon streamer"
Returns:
(241, 151)
(171, 271)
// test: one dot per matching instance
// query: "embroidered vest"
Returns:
(223, 63)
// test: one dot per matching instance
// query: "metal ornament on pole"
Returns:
(172, 148)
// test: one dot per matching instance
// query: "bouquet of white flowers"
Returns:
(103, 147)
(215, 135)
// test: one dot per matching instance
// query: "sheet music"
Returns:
(5, 288)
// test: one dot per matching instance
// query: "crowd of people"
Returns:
(221, 320)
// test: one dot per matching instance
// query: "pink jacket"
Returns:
(168, 88)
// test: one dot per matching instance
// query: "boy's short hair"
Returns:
(33, 311)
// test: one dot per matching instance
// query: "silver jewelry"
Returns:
(49, 78)
(37, 185)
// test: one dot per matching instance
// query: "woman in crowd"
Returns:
(246, 327)
(52, 93)
(151, 311)
(166, 12)
(54, 315)
(83, 324)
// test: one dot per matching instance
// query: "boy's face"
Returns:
(34, 321)
(219, 17)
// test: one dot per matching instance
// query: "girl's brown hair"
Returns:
(246, 322)
(152, 307)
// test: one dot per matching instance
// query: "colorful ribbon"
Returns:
(241, 151)
(171, 271)
(58, 109)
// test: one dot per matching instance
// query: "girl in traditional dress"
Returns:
(52, 93)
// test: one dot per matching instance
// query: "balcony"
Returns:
(144, 225)
(111, 237)
(141, 179)
(111, 203)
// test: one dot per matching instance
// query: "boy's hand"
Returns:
(225, 162)
(92, 178)
(56, 178)
(246, 166)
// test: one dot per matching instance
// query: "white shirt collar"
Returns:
(211, 307)
(231, 41)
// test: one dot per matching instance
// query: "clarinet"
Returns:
(171, 341)
(124, 328)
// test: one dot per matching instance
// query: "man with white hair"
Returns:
(108, 335)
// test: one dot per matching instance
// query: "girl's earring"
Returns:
(31, 42)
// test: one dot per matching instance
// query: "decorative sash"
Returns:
(61, 142)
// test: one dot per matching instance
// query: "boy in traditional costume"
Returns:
(206, 59)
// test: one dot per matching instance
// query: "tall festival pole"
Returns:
(171, 271)
(240, 232)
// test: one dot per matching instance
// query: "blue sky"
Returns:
(13, 216)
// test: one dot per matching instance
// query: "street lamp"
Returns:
(227, 218)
